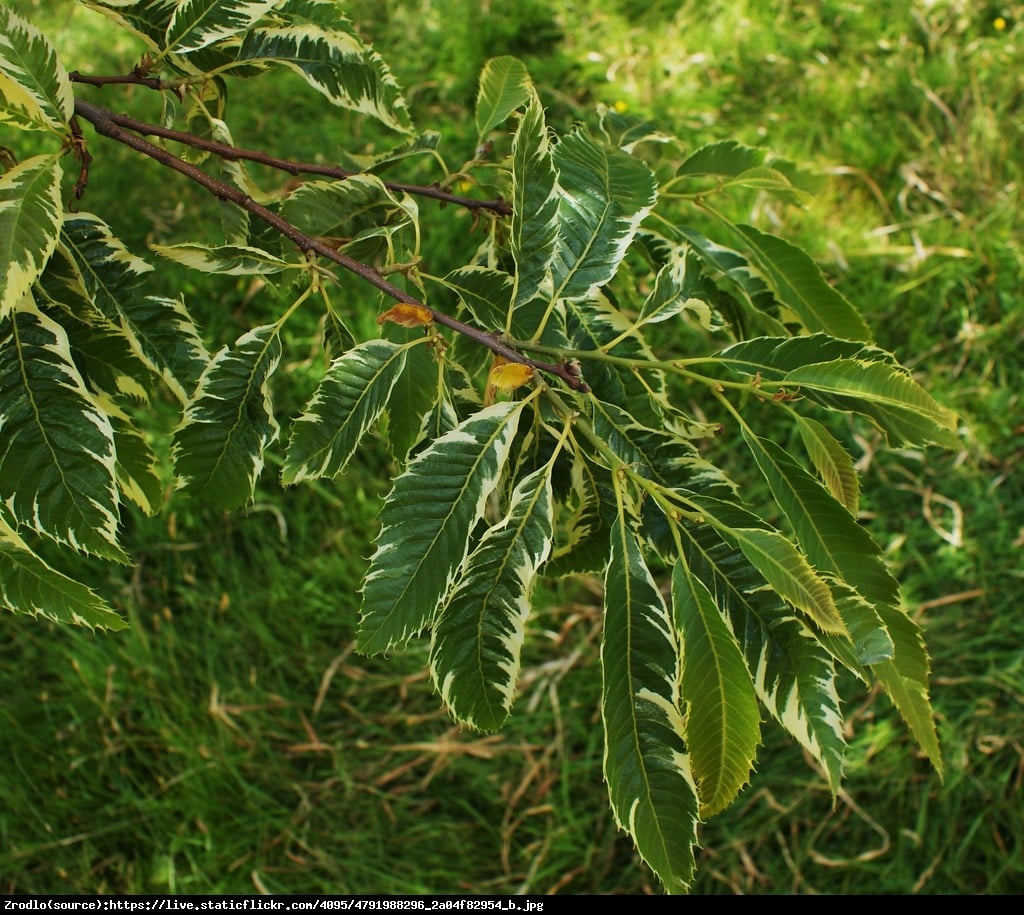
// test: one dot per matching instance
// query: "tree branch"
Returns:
(107, 125)
(233, 153)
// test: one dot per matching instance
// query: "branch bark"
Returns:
(233, 153)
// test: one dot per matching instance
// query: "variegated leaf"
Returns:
(478, 634)
(534, 207)
(219, 446)
(794, 676)
(148, 19)
(414, 395)
(230, 260)
(505, 85)
(723, 724)
(485, 292)
(335, 62)
(35, 92)
(136, 469)
(199, 23)
(339, 208)
(646, 766)
(348, 401)
(604, 195)
(30, 217)
(28, 585)
(57, 453)
(426, 524)
(109, 278)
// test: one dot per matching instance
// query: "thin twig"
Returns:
(232, 153)
(106, 126)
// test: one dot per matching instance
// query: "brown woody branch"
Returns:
(233, 153)
(107, 125)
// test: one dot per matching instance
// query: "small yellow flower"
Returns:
(621, 107)
(999, 24)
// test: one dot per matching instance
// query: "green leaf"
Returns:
(604, 195)
(228, 424)
(827, 532)
(199, 23)
(650, 784)
(534, 228)
(30, 216)
(789, 573)
(348, 401)
(905, 680)
(28, 585)
(723, 723)
(869, 637)
(794, 676)
(799, 283)
(770, 181)
(504, 86)
(725, 158)
(35, 92)
(57, 454)
(230, 260)
(832, 462)
(478, 635)
(886, 393)
(335, 62)
(426, 524)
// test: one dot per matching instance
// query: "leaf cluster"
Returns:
(538, 423)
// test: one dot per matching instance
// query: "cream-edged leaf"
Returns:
(478, 634)
(646, 766)
(505, 85)
(230, 260)
(426, 523)
(35, 91)
(534, 228)
(199, 23)
(334, 61)
(603, 196)
(229, 422)
(348, 401)
(57, 452)
(30, 218)
(29, 585)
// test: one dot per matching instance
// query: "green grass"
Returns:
(231, 741)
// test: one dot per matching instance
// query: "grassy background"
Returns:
(231, 741)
